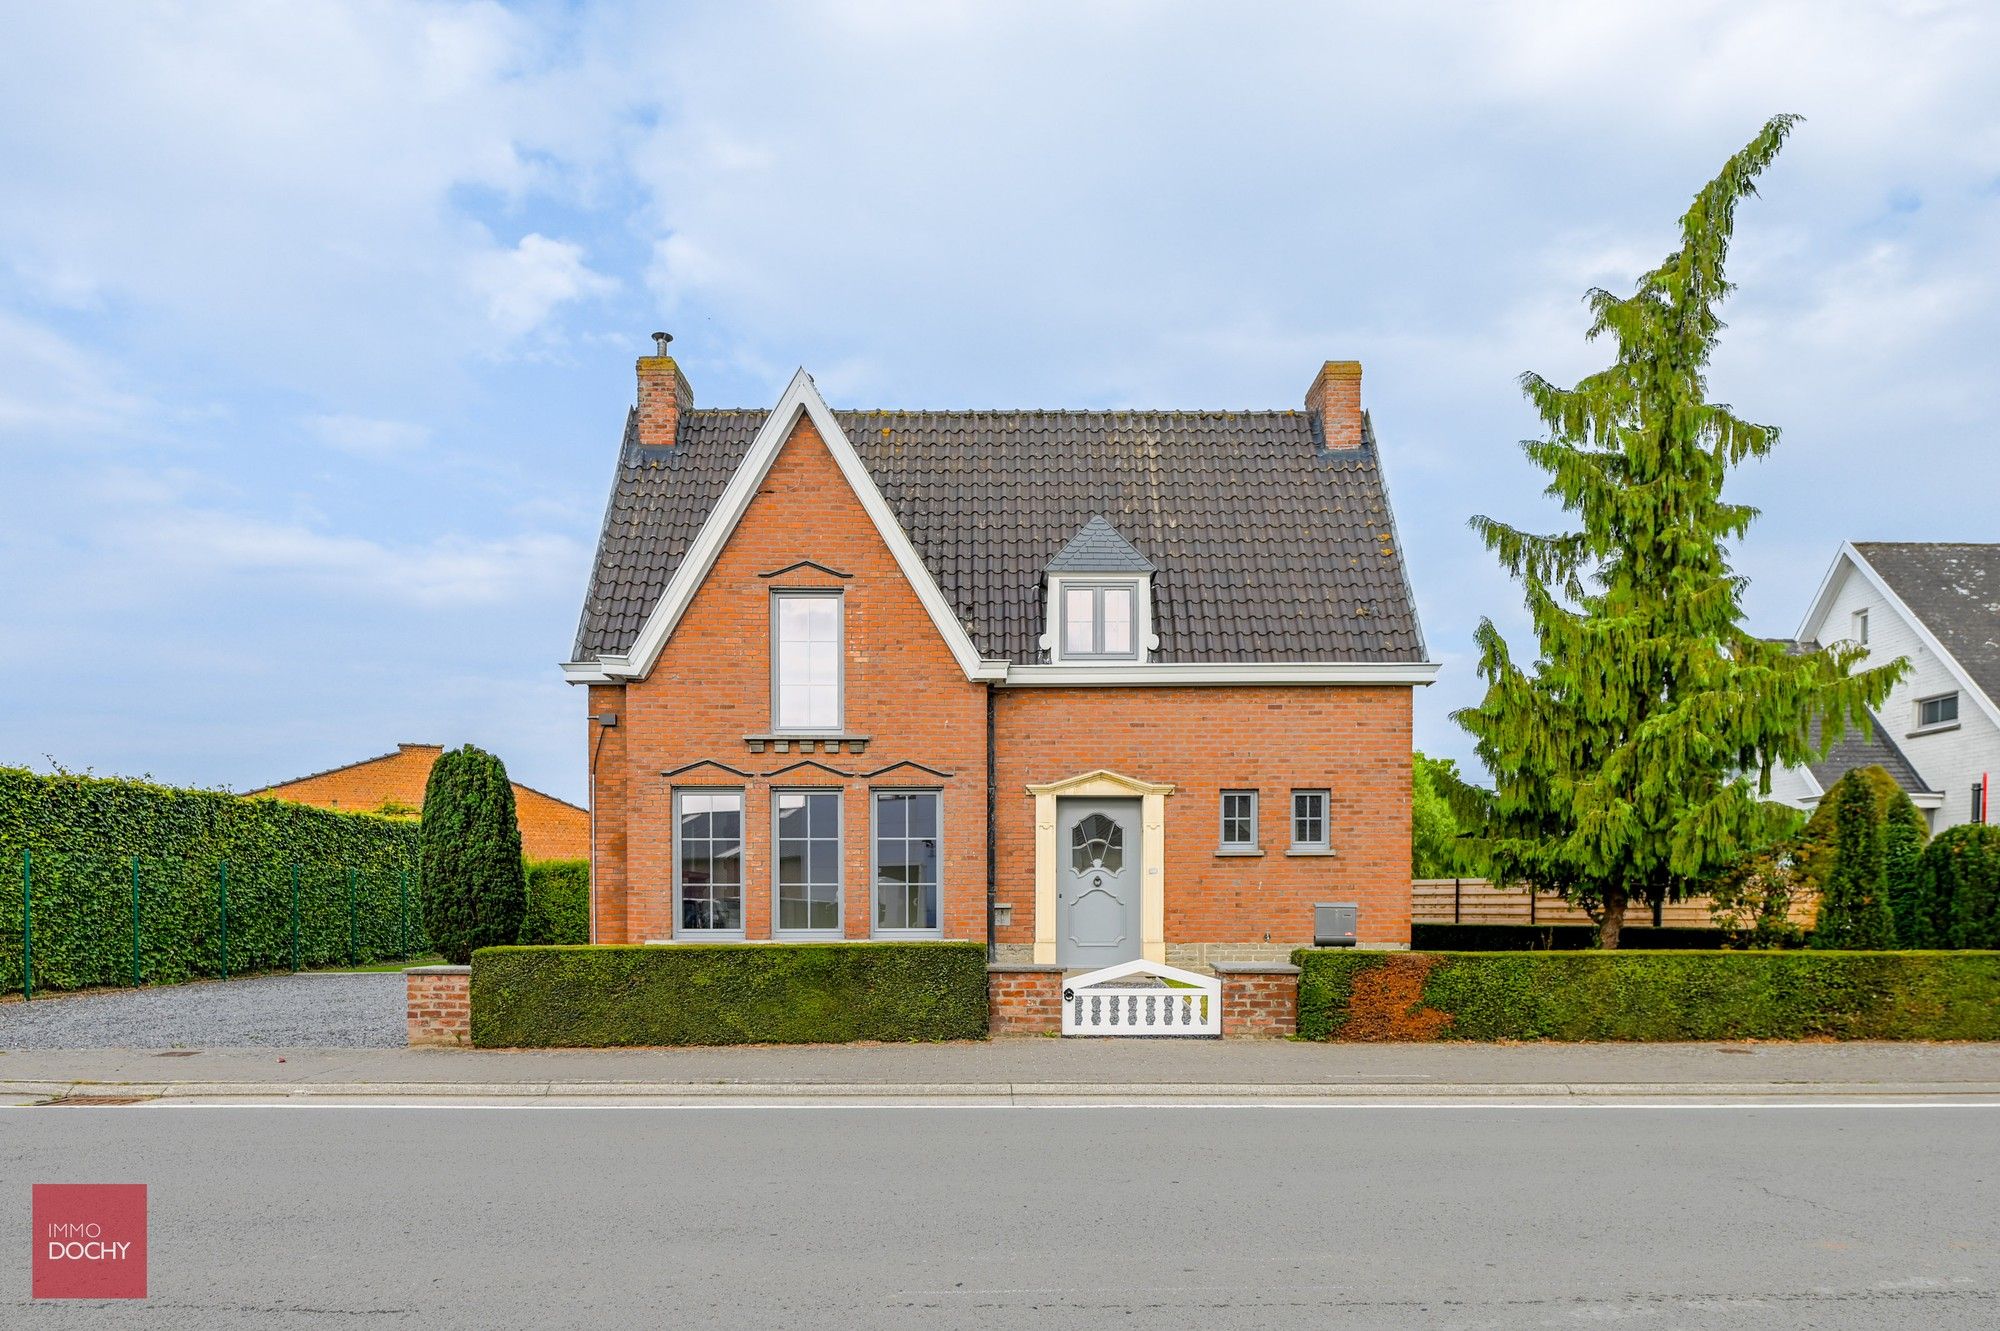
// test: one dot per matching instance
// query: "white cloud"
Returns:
(521, 287)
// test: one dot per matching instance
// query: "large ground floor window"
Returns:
(708, 863)
(808, 859)
(906, 862)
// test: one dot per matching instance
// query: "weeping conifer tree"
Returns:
(1629, 757)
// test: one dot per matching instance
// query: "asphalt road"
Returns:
(1377, 1216)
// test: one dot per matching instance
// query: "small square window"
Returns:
(1939, 711)
(1239, 820)
(1309, 820)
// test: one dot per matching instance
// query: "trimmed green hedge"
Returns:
(727, 993)
(558, 904)
(83, 834)
(1344, 994)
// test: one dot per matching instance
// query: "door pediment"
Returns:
(1103, 783)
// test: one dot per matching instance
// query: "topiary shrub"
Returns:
(474, 888)
(1854, 905)
(1962, 873)
(558, 904)
(1903, 837)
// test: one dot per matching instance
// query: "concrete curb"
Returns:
(934, 1091)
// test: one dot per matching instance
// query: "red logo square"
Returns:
(90, 1240)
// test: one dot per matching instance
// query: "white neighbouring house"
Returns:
(1938, 605)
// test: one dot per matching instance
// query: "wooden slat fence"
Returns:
(1476, 901)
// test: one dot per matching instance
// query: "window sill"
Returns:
(808, 742)
(696, 938)
(1921, 731)
(906, 936)
(1238, 852)
(1309, 851)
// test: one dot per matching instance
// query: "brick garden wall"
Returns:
(1024, 1000)
(438, 1001)
(1259, 1002)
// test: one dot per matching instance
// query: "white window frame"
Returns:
(1928, 727)
(681, 930)
(779, 595)
(1324, 841)
(839, 927)
(875, 929)
(1859, 620)
(1056, 637)
(1225, 846)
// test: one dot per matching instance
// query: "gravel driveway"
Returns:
(270, 1011)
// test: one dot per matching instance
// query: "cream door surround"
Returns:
(1103, 784)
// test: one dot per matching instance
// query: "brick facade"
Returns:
(701, 719)
(438, 1001)
(551, 829)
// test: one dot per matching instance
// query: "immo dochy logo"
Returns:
(90, 1240)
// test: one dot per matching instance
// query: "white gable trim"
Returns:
(1830, 587)
(801, 398)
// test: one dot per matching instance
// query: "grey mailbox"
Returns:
(1333, 923)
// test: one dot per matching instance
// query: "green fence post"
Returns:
(222, 883)
(295, 916)
(351, 919)
(403, 918)
(135, 921)
(27, 925)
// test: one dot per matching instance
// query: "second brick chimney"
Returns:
(663, 395)
(1335, 398)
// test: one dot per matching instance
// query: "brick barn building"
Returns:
(551, 829)
(1089, 686)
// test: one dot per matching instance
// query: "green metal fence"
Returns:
(87, 920)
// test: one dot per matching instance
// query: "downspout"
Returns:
(992, 872)
(605, 721)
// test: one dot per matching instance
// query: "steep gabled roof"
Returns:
(1268, 547)
(1872, 749)
(1954, 588)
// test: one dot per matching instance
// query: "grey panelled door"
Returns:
(1097, 882)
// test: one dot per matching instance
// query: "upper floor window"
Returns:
(1100, 621)
(806, 660)
(1860, 634)
(1939, 711)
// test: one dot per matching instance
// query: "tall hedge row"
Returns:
(558, 904)
(82, 835)
(1349, 995)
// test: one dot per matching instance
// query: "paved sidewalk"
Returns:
(1042, 1067)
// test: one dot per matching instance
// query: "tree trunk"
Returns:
(1614, 919)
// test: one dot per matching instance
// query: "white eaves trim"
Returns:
(1221, 672)
(801, 398)
(1829, 587)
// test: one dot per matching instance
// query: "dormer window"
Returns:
(1100, 621)
(1100, 593)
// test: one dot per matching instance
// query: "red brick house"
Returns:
(1087, 686)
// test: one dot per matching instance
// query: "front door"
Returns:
(1097, 882)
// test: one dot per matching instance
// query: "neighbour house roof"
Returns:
(1873, 748)
(1954, 588)
(1265, 545)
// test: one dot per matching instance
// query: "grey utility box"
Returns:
(1333, 923)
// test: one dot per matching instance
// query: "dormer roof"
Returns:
(1098, 548)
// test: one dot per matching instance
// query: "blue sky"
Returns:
(317, 321)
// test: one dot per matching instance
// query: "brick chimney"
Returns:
(1335, 397)
(663, 395)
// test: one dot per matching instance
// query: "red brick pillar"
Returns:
(1259, 1001)
(439, 1000)
(1024, 1000)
